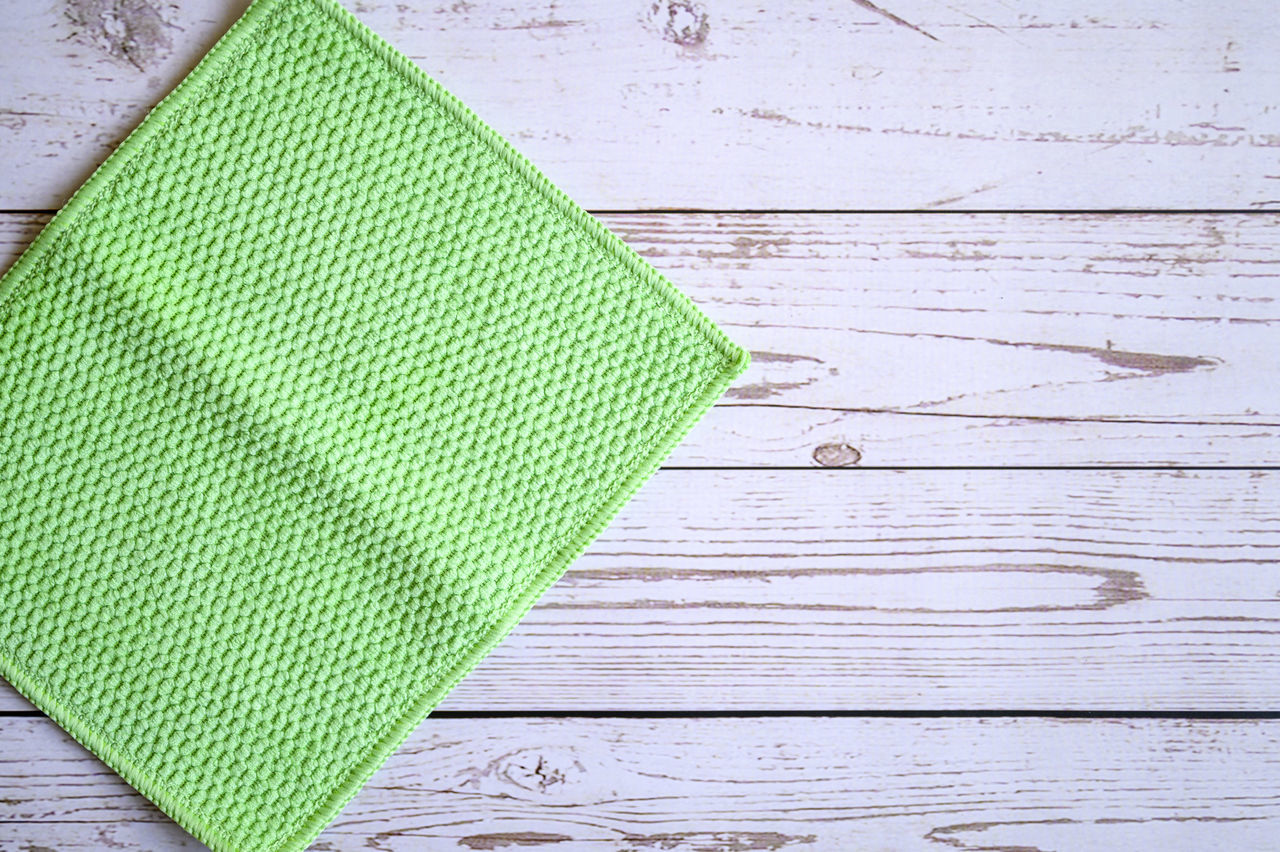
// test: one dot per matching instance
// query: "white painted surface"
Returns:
(1014, 340)
(718, 105)
(922, 590)
(734, 785)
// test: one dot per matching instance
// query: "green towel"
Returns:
(306, 396)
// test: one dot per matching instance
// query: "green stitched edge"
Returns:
(735, 361)
(227, 48)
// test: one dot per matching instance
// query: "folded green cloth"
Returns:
(305, 398)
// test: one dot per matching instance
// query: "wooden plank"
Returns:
(694, 785)
(984, 339)
(930, 590)
(974, 339)
(690, 104)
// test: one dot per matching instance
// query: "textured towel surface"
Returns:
(305, 397)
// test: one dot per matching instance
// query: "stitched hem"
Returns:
(733, 361)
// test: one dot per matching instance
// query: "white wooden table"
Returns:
(981, 552)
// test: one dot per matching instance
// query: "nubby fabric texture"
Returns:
(305, 398)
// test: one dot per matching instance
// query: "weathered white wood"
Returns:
(929, 590)
(985, 339)
(689, 103)
(695, 785)
(974, 339)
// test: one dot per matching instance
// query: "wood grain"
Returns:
(915, 339)
(973, 339)
(730, 785)
(695, 104)
(924, 590)
(884, 341)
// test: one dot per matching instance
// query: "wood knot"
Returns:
(682, 22)
(836, 455)
(132, 31)
(542, 771)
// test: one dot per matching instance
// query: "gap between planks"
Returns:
(1199, 715)
(798, 211)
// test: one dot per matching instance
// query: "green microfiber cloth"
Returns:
(306, 396)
